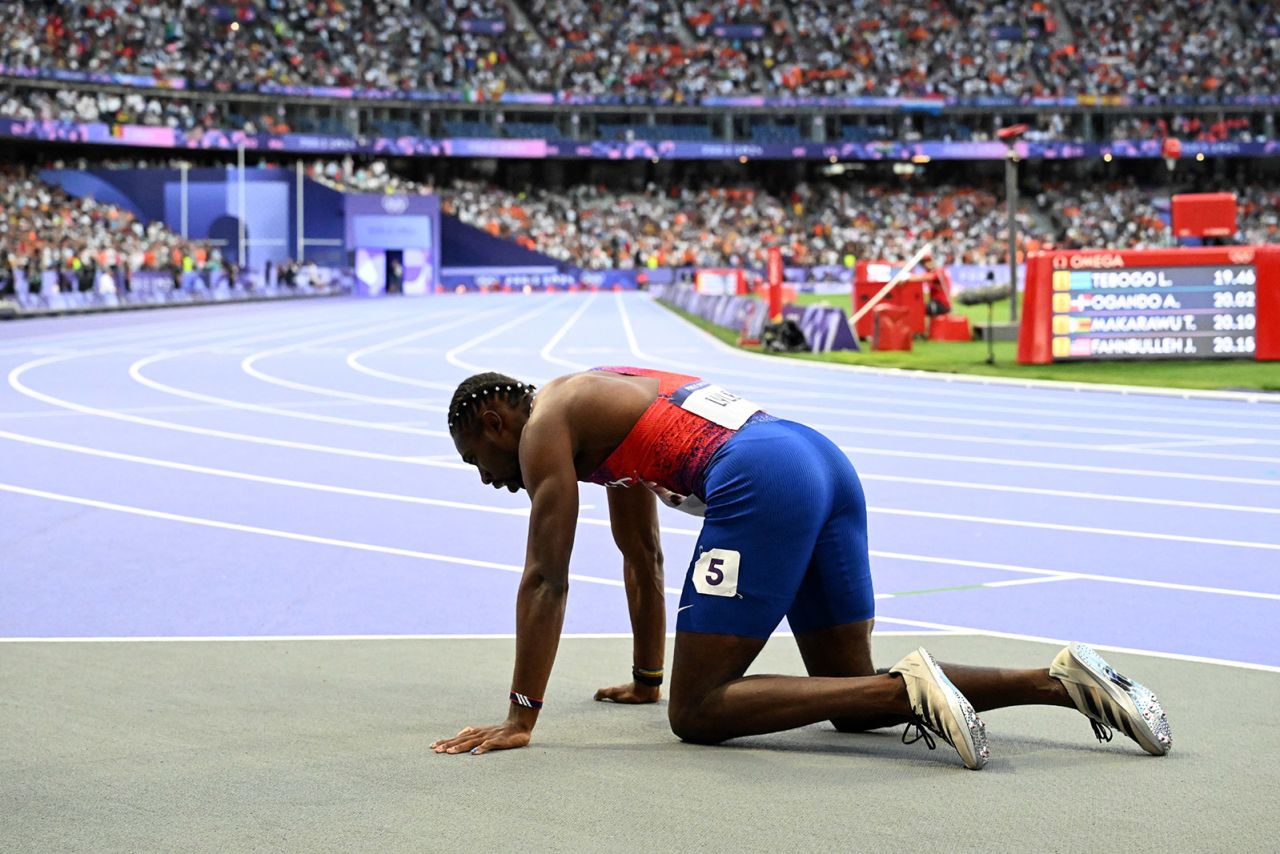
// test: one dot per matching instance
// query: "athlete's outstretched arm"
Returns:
(546, 455)
(633, 515)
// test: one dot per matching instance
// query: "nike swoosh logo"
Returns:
(683, 608)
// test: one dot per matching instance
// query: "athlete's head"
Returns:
(486, 417)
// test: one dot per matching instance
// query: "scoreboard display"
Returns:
(1210, 303)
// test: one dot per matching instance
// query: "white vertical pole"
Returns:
(298, 215)
(243, 231)
(185, 167)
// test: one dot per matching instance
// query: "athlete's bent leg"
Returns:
(846, 651)
(711, 701)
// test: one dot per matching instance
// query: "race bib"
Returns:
(715, 404)
(716, 573)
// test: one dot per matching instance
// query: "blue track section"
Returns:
(284, 470)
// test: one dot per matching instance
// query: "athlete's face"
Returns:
(490, 447)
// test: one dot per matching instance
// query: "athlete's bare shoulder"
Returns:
(594, 396)
(597, 408)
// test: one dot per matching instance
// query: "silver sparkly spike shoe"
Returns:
(1111, 700)
(940, 708)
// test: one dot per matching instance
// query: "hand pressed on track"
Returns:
(477, 740)
(630, 693)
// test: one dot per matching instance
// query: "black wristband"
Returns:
(650, 678)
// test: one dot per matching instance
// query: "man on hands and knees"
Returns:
(784, 534)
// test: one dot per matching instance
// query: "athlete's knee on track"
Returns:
(690, 724)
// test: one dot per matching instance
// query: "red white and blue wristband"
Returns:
(526, 701)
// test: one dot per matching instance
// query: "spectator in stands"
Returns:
(43, 228)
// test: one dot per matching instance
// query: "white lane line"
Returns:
(248, 365)
(135, 372)
(1014, 582)
(856, 398)
(965, 439)
(1068, 493)
(289, 535)
(452, 356)
(15, 381)
(1079, 529)
(1186, 443)
(1084, 576)
(368, 547)
(634, 346)
(354, 359)
(546, 352)
(371, 547)
(1070, 467)
(175, 408)
(462, 637)
(585, 520)
(294, 535)
(1006, 382)
(1175, 656)
(150, 324)
(1056, 426)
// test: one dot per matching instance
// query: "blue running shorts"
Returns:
(785, 534)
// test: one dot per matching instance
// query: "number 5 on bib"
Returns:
(716, 573)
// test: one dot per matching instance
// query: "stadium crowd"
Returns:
(825, 223)
(819, 223)
(43, 228)
(669, 49)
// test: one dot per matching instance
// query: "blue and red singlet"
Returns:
(673, 442)
(785, 530)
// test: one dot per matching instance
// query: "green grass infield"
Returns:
(970, 357)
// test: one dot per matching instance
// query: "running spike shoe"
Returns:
(938, 707)
(1111, 700)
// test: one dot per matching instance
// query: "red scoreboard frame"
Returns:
(1035, 338)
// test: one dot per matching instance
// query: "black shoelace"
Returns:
(1102, 731)
(923, 732)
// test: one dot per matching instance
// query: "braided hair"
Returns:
(474, 391)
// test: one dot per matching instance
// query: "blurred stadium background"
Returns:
(175, 150)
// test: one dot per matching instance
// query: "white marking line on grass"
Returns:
(135, 372)
(1176, 656)
(1054, 385)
